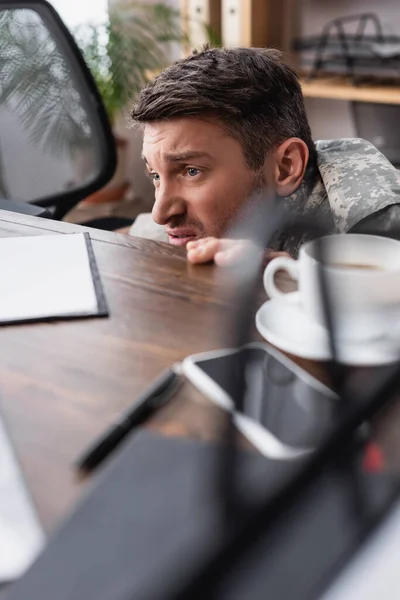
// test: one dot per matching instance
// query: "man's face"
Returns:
(200, 176)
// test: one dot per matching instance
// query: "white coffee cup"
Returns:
(363, 280)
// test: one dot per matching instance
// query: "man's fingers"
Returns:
(202, 251)
(240, 251)
(226, 258)
(224, 252)
(198, 243)
(231, 256)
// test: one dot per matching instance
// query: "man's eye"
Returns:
(192, 171)
(154, 177)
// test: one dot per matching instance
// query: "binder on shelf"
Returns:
(202, 20)
(256, 23)
(232, 14)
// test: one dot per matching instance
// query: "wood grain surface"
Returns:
(62, 383)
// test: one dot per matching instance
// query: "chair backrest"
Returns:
(53, 129)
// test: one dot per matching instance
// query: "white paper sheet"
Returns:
(45, 276)
(21, 536)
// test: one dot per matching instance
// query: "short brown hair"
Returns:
(251, 91)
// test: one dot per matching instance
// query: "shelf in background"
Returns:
(340, 88)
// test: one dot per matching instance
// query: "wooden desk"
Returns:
(63, 383)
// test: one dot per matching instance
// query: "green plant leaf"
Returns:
(122, 52)
(35, 83)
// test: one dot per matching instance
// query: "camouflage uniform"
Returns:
(355, 189)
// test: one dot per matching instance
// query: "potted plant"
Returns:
(121, 55)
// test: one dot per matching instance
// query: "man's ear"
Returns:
(290, 162)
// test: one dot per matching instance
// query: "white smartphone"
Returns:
(286, 411)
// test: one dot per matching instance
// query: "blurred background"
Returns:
(348, 58)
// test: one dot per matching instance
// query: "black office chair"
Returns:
(56, 145)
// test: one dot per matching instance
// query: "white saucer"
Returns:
(286, 326)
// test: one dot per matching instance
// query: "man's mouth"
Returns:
(180, 238)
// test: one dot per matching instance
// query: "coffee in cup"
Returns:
(363, 279)
(355, 266)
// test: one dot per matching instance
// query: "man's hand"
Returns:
(224, 252)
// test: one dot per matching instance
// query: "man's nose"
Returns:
(168, 204)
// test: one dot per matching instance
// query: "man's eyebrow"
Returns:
(183, 156)
(191, 154)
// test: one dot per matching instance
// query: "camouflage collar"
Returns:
(354, 181)
(358, 179)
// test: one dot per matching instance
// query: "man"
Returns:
(224, 123)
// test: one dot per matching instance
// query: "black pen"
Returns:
(155, 396)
